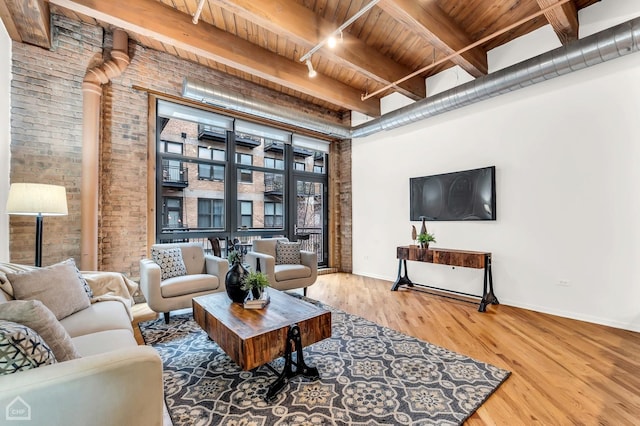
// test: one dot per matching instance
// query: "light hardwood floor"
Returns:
(564, 372)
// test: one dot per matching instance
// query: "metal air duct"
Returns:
(208, 94)
(609, 44)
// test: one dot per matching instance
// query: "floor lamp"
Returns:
(39, 200)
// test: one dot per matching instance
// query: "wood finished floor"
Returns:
(564, 372)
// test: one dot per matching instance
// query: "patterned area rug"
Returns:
(370, 375)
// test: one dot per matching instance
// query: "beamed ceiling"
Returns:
(262, 40)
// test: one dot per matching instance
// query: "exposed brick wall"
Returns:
(342, 207)
(47, 138)
(46, 134)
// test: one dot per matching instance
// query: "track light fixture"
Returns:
(312, 72)
(332, 41)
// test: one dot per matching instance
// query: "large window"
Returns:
(245, 175)
(172, 210)
(227, 178)
(273, 215)
(273, 163)
(211, 171)
(210, 213)
(245, 212)
(172, 147)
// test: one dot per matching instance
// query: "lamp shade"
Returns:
(34, 199)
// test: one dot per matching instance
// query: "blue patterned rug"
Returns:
(370, 375)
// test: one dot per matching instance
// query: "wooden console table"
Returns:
(463, 258)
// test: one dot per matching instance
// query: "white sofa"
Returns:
(114, 382)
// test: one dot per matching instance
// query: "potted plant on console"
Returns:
(425, 238)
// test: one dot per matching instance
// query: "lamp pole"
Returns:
(39, 240)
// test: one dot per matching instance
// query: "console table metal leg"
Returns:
(402, 279)
(488, 297)
(293, 340)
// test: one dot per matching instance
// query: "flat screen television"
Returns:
(465, 195)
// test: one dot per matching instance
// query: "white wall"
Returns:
(566, 153)
(5, 138)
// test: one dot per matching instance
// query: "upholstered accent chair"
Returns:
(286, 266)
(179, 272)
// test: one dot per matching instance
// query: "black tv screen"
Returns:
(465, 195)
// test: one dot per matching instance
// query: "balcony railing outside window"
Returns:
(175, 174)
(273, 182)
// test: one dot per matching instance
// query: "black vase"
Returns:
(233, 282)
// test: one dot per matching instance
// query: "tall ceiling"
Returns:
(392, 47)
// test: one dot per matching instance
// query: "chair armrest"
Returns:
(150, 277)
(267, 264)
(118, 387)
(309, 258)
(217, 266)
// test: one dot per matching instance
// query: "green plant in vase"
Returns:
(255, 282)
(234, 257)
(426, 238)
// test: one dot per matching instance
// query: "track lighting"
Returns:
(312, 72)
(332, 41)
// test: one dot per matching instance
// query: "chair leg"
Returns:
(166, 317)
(304, 291)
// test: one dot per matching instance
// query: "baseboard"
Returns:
(572, 315)
(324, 271)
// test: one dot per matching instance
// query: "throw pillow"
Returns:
(288, 253)
(170, 261)
(57, 286)
(35, 315)
(22, 349)
(85, 284)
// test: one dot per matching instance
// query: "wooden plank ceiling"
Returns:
(262, 41)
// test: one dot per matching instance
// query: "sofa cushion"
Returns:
(35, 315)
(101, 316)
(291, 272)
(170, 261)
(189, 284)
(57, 286)
(104, 341)
(288, 253)
(21, 348)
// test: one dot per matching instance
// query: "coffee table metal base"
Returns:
(293, 341)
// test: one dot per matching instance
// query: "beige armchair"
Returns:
(205, 274)
(283, 276)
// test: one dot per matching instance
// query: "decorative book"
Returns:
(257, 303)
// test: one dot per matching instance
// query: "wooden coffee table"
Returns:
(254, 337)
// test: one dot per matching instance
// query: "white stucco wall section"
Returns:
(5, 138)
(566, 153)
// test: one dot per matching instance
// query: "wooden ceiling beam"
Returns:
(165, 24)
(27, 21)
(9, 23)
(563, 19)
(305, 28)
(428, 21)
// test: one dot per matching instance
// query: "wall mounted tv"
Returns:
(465, 195)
